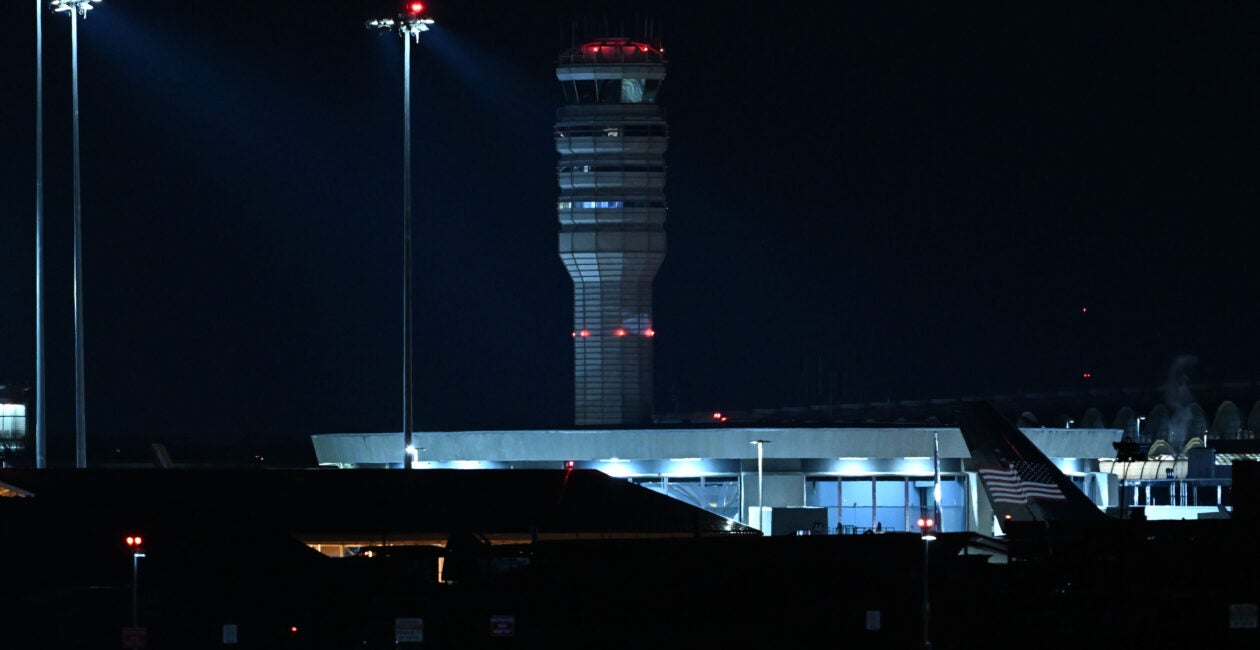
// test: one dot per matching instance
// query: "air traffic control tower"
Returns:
(611, 137)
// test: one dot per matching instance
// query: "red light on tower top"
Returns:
(415, 8)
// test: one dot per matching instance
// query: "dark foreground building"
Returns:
(555, 559)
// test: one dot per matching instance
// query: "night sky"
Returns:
(867, 201)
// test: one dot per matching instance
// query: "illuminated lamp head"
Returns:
(415, 8)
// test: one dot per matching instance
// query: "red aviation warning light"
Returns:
(134, 542)
(415, 8)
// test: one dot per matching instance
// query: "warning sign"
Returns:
(502, 625)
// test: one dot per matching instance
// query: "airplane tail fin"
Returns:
(161, 457)
(1022, 484)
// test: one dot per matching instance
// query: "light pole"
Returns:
(936, 471)
(760, 457)
(925, 531)
(136, 544)
(41, 446)
(409, 25)
(76, 9)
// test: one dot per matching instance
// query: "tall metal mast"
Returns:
(409, 26)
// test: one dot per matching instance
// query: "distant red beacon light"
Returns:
(415, 8)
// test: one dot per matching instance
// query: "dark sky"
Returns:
(868, 201)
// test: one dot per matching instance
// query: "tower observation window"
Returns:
(611, 91)
(632, 91)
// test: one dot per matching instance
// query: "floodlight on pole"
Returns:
(77, 9)
(409, 26)
(80, 7)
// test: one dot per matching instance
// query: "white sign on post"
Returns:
(409, 630)
(1243, 616)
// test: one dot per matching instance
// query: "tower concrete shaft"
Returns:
(611, 136)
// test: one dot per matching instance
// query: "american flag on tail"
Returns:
(1020, 482)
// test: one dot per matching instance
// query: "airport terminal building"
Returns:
(838, 475)
(807, 480)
